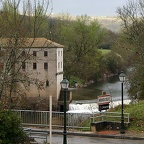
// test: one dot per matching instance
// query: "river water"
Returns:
(85, 99)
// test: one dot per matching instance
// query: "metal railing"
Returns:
(110, 116)
(41, 119)
(74, 120)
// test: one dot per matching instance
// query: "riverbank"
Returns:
(86, 84)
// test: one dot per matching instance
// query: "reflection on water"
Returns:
(111, 85)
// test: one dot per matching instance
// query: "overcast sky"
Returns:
(89, 7)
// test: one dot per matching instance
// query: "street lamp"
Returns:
(122, 80)
(64, 84)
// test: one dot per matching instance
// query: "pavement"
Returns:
(103, 134)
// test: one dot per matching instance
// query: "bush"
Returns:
(11, 131)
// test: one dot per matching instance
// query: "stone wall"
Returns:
(95, 127)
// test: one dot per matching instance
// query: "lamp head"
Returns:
(122, 77)
(64, 83)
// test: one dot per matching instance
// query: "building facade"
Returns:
(44, 67)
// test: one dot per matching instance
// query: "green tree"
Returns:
(109, 40)
(11, 131)
(111, 63)
(81, 56)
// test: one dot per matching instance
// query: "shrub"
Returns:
(11, 131)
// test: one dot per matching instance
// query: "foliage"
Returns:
(131, 45)
(73, 80)
(81, 55)
(108, 40)
(111, 62)
(85, 42)
(11, 131)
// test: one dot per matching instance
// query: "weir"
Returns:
(91, 106)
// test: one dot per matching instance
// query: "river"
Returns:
(85, 99)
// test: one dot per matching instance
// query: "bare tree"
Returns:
(19, 21)
(132, 16)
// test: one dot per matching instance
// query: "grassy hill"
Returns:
(136, 115)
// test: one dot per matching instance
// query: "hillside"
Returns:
(111, 23)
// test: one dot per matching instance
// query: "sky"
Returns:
(88, 7)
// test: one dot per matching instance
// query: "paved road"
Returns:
(58, 139)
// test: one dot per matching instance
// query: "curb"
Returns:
(100, 135)
(91, 134)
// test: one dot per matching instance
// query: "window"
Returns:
(34, 53)
(34, 65)
(58, 64)
(45, 65)
(58, 53)
(23, 65)
(47, 83)
(61, 65)
(45, 53)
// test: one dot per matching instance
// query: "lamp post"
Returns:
(64, 84)
(122, 79)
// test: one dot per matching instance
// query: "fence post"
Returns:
(101, 113)
(128, 118)
(50, 119)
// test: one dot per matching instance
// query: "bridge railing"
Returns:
(110, 116)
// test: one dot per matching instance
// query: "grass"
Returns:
(104, 51)
(136, 115)
(85, 124)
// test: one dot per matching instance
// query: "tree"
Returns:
(132, 16)
(109, 40)
(15, 29)
(81, 38)
(112, 63)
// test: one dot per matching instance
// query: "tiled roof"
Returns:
(31, 42)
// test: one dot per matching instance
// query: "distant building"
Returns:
(45, 65)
